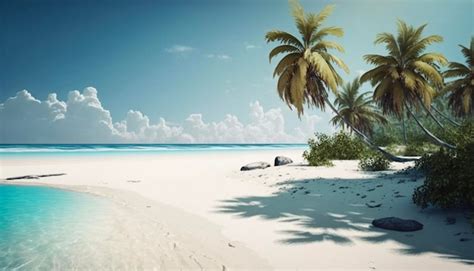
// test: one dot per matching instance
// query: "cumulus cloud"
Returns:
(179, 49)
(82, 119)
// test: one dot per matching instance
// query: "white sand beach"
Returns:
(199, 211)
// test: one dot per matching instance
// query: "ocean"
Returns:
(11, 150)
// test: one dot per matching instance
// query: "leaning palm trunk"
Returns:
(429, 112)
(366, 140)
(445, 116)
(427, 132)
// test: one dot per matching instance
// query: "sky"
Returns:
(179, 71)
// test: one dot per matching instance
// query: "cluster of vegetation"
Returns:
(449, 174)
(411, 104)
(374, 161)
(343, 146)
(340, 146)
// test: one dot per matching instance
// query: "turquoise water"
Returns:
(40, 227)
(13, 150)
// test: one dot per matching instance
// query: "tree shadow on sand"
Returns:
(327, 209)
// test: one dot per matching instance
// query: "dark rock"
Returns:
(256, 165)
(282, 160)
(397, 224)
(464, 239)
(373, 205)
(363, 196)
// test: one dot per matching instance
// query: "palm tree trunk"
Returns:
(404, 130)
(446, 117)
(427, 132)
(429, 113)
(367, 141)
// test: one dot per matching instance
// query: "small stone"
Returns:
(397, 224)
(373, 205)
(282, 160)
(464, 239)
(256, 165)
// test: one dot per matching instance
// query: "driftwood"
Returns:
(31, 177)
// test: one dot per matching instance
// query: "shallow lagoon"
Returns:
(42, 227)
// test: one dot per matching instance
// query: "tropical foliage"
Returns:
(461, 90)
(340, 146)
(449, 174)
(307, 70)
(374, 161)
(407, 84)
(356, 108)
(403, 79)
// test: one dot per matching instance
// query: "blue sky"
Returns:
(171, 59)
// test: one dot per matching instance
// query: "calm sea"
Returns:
(91, 149)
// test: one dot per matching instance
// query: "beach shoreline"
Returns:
(265, 214)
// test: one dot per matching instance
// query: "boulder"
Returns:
(256, 165)
(397, 224)
(282, 160)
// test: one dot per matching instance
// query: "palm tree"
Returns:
(461, 96)
(439, 106)
(307, 70)
(403, 78)
(356, 108)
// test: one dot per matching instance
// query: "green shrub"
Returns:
(374, 161)
(340, 146)
(449, 174)
(419, 149)
(414, 150)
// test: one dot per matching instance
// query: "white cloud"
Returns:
(82, 119)
(249, 46)
(179, 49)
(220, 57)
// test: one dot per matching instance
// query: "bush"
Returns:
(374, 161)
(340, 146)
(449, 179)
(419, 149)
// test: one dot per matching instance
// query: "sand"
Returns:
(290, 217)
